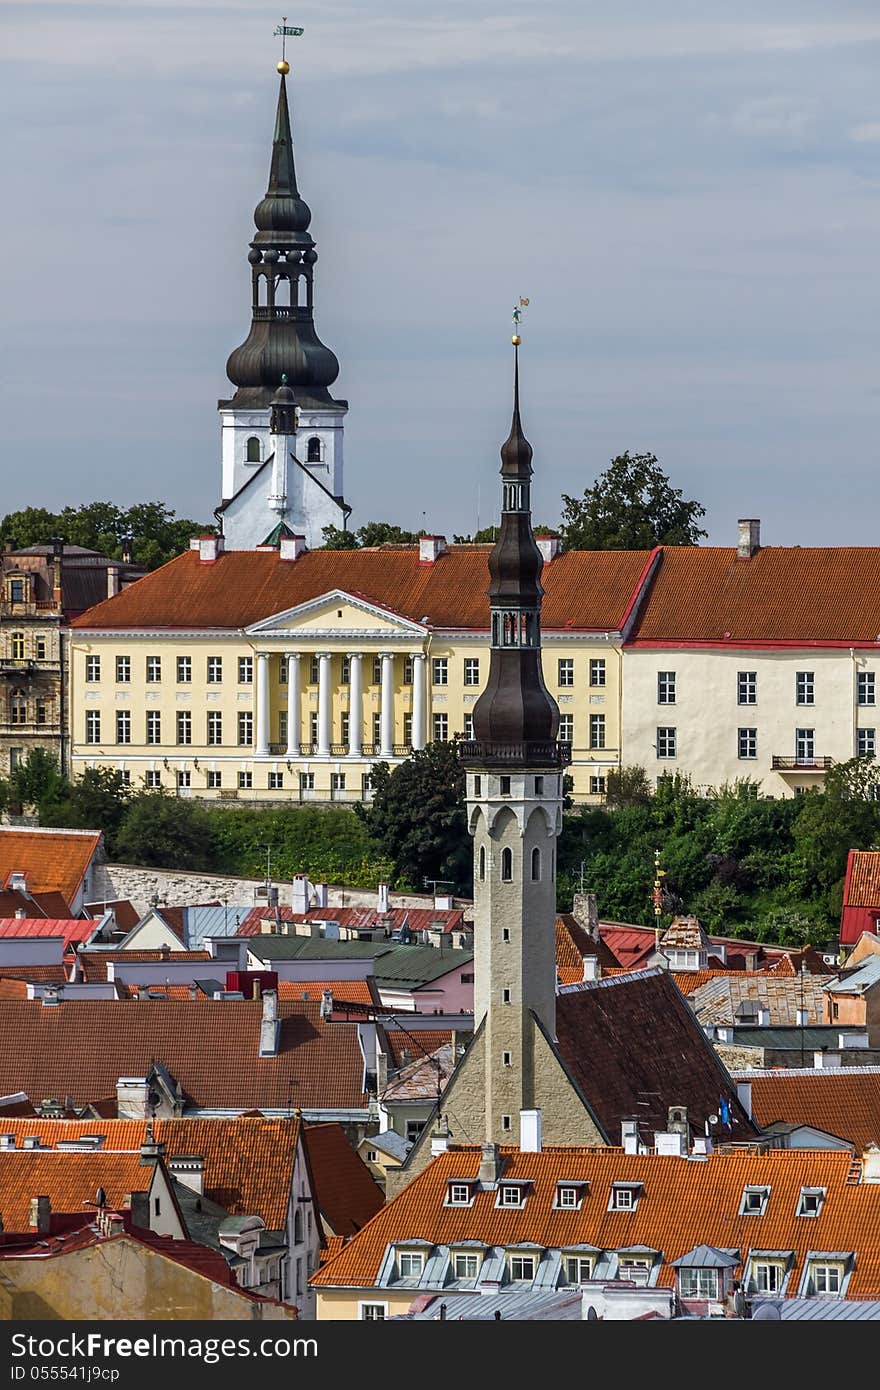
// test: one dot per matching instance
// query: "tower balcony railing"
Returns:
(527, 753)
(264, 312)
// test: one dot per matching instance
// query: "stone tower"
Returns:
(514, 797)
(282, 349)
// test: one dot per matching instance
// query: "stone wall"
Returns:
(177, 888)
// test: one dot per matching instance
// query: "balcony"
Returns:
(532, 753)
(17, 668)
(783, 764)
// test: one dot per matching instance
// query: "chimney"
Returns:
(292, 547)
(744, 1093)
(591, 968)
(326, 1003)
(703, 1146)
(490, 1165)
(151, 1149)
(132, 1097)
(17, 882)
(299, 893)
(255, 993)
(549, 546)
(210, 547)
(442, 902)
(381, 1071)
(530, 1131)
(585, 911)
(112, 581)
(20, 913)
(871, 1164)
(431, 548)
(763, 1016)
(629, 1136)
(751, 960)
(439, 1143)
(749, 538)
(270, 1026)
(826, 1060)
(113, 1224)
(382, 898)
(189, 1169)
(40, 1217)
(321, 895)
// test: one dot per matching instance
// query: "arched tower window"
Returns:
(253, 450)
(297, 1226)
(482, 863)
(313, 450)
(283, 292)
(536, 865)
(507, 865)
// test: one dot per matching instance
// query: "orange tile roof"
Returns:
(689, 980)
(683, 1203)
(343, 991)
(53, 861)
(863, 879)
(585, 590)
(782, 594)
(67, 1179)
(248, 1161)
(52, 1051)
(844, 1101)
(346, 1193)
(94, 963)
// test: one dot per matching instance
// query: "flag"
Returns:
(724, 1111)
(524, 303)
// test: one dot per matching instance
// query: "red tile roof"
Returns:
(682, 1204)
(585, 590)
(72, 929)
(346, 1193)
(53, 1051)
(53, 861)
(35, 974)
(573, 943)
(67, 1179)
(94, 963)
(844, 1101)
(417, 918)
(13, 900)
(343, 991)
(863, 879)
(403, 1048)
(127, 915)
(783, 594)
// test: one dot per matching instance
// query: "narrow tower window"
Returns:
(313, 450)
(482, 863)
(253, 450)
(536, 865)
(507, 866)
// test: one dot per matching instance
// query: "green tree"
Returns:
(417, 817)
(161, 830)
(154, 530)
(625, 786)
(37, 780)
(373, 533)
(631, 506)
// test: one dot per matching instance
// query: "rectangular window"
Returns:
(16, 591)
(747, 743)
(597, 671)
(469, 726)
(805, 692)
(565, 671)
(154, 669)
(666, 742)
(472, 670)
(345, 671)
(214, 781)
(93, 665)
(126, 777)
(440, 670)
(123, 670)
(17, 710)
(282, 670)
(754, 1201)
(123, 726)
(313, 670)
(698, 1283)
(805, 745)
(184, 726)
(276, 781)
(184, 780)
(579, 1270)
(747, 687)
(866, 692)
(313, 728)
(42, 712)
(597, 731)
(866, 742)
(246, 670)
(93, 726)
(665, 687)
(597, 786)
(245, 781)
(407, 730)
(511, 1197)
(810, 1203)
(411, 1264)
(441, 728)
(337, 781)
(377, 670)
(215, 670)
(41, 649)
(459, 1194)
(767, 1277)
(467, 1266)
(522, 1267)
(245, 728)
(282, 726)
(154, 726)
(408, 670)
(566, 728)
(184, 670)
(215, 726)
(372, 1312)
(623, 1199)
(827, 1279)
(152, 780)
(566, 1196)
(307, 781)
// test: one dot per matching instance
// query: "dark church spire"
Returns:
(282, 339)
(515, 718)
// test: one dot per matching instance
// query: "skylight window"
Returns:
(754, 1201)
(810, 1201)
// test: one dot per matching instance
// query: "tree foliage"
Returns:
(156, 533)
(631, 506)
(371, 534)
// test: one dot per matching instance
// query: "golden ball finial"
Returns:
(284, 67)
(516, 340)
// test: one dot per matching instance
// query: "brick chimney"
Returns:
(749, 537)
(491, 1165)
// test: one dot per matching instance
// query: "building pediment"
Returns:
(338, 614)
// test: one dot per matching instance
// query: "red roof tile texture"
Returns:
(53, 861)
(67, 1179)
(81, 1049)
(781, 594)
(863, 879)
(346, 1194)
(417, 918)
(33, 904)
(845, 1102)
(586, 590)
(682, 1204)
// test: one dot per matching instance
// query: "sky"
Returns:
(688, 193)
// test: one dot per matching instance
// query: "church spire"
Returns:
(282, 172)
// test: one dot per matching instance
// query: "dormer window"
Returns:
(625, 1196)
(522, 1267)
(810, 1201)
(511, 1195)
(579, 1268)
(569, 1195)
(754, 1201)
(411, 1263)
(460, 1194)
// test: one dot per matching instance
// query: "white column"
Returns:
(386, 727)
(420, 669)
(324, 705)
(355, 707)
(293, 705)
(262, 746)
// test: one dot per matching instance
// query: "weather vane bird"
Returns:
(284, 31)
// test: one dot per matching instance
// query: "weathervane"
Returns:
(517, 316)
(284, 31)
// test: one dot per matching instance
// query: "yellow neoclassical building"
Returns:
(282, 673)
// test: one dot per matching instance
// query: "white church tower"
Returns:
(301, 490)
